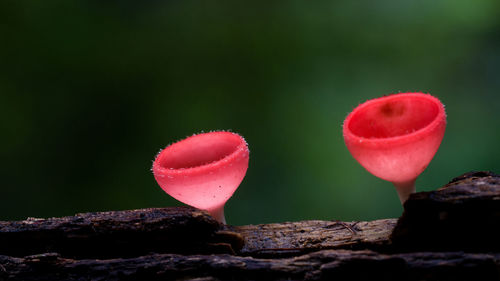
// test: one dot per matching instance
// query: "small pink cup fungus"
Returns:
(395, 137)
(203, 170)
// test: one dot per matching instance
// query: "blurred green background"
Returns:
(91, 90)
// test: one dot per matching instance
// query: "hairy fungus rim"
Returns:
(241, 147)
(400, 139)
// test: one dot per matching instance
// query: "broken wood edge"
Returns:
(462, 215)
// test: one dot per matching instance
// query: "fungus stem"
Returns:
(218, 214)
(404, 189)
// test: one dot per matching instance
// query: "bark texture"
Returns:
(462, 215)
(320, 265)
(448, 234)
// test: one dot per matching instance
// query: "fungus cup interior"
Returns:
(395, 137)
(393, 118)
(203, 170)
(199, 150)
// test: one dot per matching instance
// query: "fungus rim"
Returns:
(241, 147)
(400, 139)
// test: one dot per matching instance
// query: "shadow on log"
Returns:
(448, 234)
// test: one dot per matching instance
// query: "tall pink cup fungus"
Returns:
(203, 170)
(395, 137)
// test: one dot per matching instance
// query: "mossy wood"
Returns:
(452, 233)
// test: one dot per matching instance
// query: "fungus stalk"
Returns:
(404, 189)
(218, 213)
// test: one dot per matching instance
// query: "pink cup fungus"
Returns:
(395, 137)
(203, 170)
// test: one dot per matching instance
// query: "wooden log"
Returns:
(448, 234)
(182, 231)
(320, 265)
(114, 234)
(462, 215)
(294, 238)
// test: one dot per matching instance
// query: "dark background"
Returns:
(91, 90)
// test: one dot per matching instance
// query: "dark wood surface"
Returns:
(462, 215)
(452, 233)
(319, 265)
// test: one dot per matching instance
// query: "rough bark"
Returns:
(448, 234)
(320, 265)
(113, 234)
(462, 215)
(294, 238)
